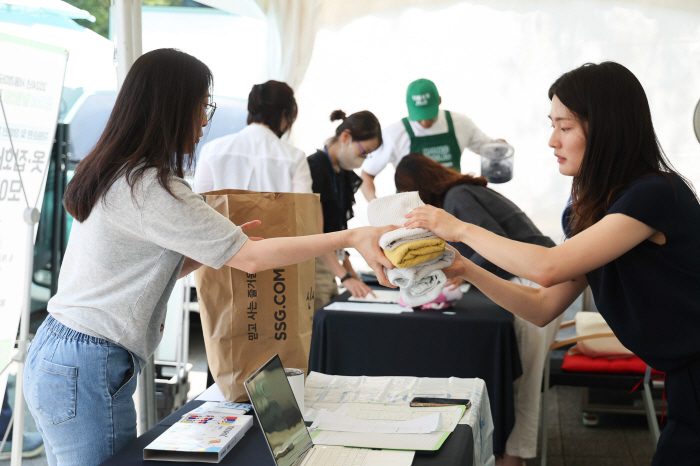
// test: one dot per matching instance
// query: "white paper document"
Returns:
(325, 455)
(381, 308)
(432, 441)
(213, 393)
(382, 296)
(449, 416)
(327, 420)
(361, 415)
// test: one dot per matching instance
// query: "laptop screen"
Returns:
(278, 413)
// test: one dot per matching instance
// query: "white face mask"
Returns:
(348, 158)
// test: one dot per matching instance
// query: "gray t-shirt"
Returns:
(122, 262)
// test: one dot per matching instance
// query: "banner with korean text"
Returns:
(31, 82)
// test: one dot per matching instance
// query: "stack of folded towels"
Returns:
(418, 254)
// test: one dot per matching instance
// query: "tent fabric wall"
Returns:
(291, 33)
(293, 24)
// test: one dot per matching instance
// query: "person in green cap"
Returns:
(438, 134)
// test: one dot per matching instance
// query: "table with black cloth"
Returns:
(478, 340)
(253, 450)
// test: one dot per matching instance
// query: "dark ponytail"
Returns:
(338, 115)
(269, 103)
(363, 126)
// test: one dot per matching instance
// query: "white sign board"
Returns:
(31, 81)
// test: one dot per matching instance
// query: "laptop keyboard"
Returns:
(337, 456)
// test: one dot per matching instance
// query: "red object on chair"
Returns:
(581, 363)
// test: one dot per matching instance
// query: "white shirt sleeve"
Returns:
(301, 181)
(203, 176)
(468, 135)
(395, 145)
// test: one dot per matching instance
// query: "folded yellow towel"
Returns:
(416, 252)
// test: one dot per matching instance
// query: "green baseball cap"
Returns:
(422, 100)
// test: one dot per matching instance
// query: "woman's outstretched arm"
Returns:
(537, 305)
(265, 254)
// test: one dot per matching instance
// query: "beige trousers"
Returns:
(533, 345)
(326, 287)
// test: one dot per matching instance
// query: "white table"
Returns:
(330, 391)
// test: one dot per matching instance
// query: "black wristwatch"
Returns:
(347, 275)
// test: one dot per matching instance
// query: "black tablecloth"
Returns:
(478, 341)
(252, 450)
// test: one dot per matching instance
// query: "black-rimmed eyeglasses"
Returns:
(210, 109)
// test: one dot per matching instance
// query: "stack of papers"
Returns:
(382, 296)
(327, 420)
(393, 427)
(205, 434)
(380, 308)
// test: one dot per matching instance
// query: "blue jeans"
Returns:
(79, 390)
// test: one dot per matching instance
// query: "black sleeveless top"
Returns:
(337, 191)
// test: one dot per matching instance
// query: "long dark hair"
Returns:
(271, 102)
(154, 124)
(621, 145)
(362, 126)
(416, 172)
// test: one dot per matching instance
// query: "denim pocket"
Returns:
(57, 396)
(129, 376)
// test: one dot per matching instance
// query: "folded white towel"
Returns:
(421, 283)
(395, 238)
(425, 290)
(391, 210)
(410, 275)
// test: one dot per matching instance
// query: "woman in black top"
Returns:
(468, 199)
(632, 235)
(334, 179)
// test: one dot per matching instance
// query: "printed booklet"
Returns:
(205, 434)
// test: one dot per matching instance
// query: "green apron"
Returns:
(443, 148)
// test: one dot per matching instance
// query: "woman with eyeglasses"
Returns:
(139, 227)
(256, 158)
(334, 179)
(632, 235)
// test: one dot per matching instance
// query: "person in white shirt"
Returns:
(438, 134)
(256, 158)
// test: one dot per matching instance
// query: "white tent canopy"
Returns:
(492, 60)
(296, 22)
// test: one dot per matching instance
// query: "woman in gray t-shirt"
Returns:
(139, 228)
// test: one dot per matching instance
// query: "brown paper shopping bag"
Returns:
(247, 318)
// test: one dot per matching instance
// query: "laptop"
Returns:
(286, 434)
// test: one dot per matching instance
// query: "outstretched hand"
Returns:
(456, 271)
(436, 220)
(366, 241)
(249, 225)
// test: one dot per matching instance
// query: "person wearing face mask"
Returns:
(334, 179)
(256, 158)
(438, 134)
